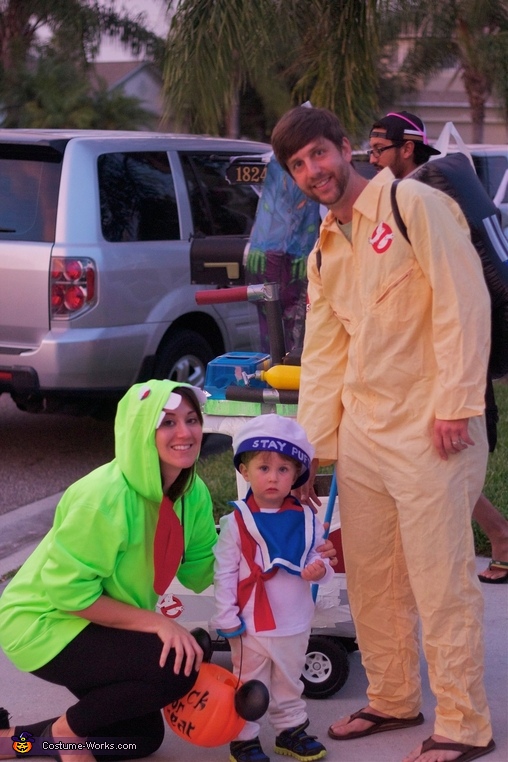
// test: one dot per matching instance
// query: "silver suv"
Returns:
(104, 239)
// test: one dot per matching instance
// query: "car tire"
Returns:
(184, 358)
(326, 667)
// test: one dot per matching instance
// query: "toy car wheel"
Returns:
(326, 667)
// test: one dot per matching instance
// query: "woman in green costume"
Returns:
(81, 610)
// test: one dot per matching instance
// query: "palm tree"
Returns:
(337, 58)
(471, 35)
(57, 94)
(76, 25)
(213, 49)
(289, 51)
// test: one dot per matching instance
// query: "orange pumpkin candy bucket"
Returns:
(214, 711)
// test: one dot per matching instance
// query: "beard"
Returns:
(333, 194)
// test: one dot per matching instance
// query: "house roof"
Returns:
(117, 73)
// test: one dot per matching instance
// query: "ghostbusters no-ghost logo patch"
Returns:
(382, 238)
(170, 606)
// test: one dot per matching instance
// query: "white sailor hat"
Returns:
(275, 433)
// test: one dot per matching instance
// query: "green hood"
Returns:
(135, 425)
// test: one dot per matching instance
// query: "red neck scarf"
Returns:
(167, 546)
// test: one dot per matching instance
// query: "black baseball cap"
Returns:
(400, 126)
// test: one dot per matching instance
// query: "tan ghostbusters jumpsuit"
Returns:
(395, 338)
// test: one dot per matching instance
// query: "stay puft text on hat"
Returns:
(275, 433)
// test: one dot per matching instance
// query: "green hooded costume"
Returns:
(101, 542)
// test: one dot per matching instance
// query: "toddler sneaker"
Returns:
(295, 742)
(247, 751)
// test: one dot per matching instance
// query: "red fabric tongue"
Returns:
(167, 546)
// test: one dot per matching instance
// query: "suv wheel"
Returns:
(184, 358)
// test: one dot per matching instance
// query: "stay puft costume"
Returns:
(396, 337)
(258, 588)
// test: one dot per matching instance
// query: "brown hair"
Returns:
(420, 154)
(184, 480)
(299, 127)
(249, 455)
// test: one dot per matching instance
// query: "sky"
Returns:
(155, 11)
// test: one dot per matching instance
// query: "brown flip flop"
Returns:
(381, 725)
(468, 752)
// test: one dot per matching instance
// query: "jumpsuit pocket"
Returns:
(393, 286)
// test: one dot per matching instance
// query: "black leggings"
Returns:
(121, 688)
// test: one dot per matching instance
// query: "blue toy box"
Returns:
(227, 370)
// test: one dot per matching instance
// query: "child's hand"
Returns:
(314, 571)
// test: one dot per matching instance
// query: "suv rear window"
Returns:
(29, 184)
(218, 207)
(137, 197)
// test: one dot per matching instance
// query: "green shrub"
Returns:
(218, 473)
(496, 482)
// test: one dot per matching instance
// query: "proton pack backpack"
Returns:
(454, 175)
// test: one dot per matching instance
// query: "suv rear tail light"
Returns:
(72, 286)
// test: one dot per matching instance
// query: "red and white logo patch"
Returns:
(171, 606)
(382, 238)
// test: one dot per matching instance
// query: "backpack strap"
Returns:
(396, 211)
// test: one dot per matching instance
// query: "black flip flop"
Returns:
(496, 566)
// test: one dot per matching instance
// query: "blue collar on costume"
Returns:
(284, 537)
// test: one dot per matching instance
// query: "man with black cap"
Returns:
(399, 141)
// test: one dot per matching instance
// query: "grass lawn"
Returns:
(218, 473)
(496, 483)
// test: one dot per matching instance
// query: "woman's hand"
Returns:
(327, 550)
(173, 635)
(112, 613)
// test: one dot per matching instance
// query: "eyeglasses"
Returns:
(376, 152)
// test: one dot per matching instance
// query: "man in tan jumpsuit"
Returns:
(398, 141)
(392, 388)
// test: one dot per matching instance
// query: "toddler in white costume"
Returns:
(265, 561)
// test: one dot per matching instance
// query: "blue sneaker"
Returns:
(247, 751)
(295, 742)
